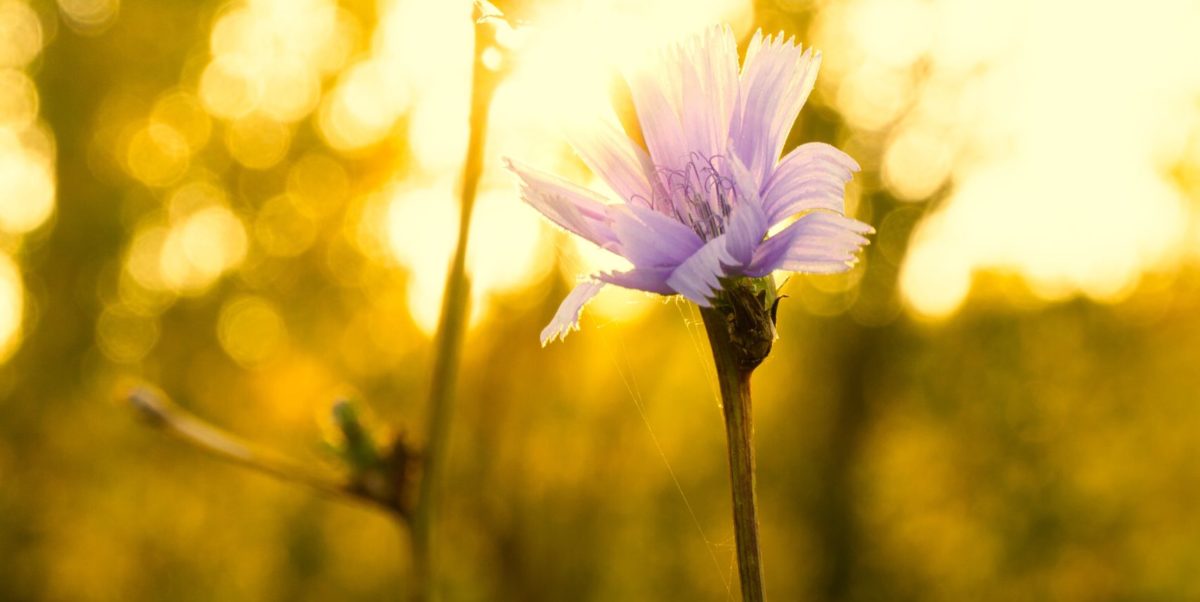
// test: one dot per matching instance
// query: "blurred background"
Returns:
(253, 204)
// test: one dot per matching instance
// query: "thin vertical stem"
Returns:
(733, 374)
(451, 326)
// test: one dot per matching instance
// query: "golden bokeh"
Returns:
(186, 249)
(1007, 111)
(124, 336)
(253, 204)
(12, 306)
(258, 142)
(157, 154)
(90, 17)
(250, 330)
(20, 34)
(28, 183)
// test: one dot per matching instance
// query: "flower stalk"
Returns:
(740, 331)
(452, 321)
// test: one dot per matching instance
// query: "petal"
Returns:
(566, 319)
(709, 89)
(747, 223)
(651, 280)
(648, 238)
(812, 176)
(744, 232)
(699, 277)
(609, 152)
(573, 207)
(818, 242)
(776, 79)
(655, 99)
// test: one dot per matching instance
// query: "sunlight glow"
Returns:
(89, 16)
(506, 250)
(269, 56)
(421, 54)
(12, 306)
(1060, 161)
(187, 250)
(27, 182)
(250, 329)
(124, 336)
(20, 34)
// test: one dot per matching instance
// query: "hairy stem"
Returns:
(740, 334)
(451, 325)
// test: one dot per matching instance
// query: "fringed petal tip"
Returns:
(566, 319)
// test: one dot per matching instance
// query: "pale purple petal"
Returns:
(699, 277)
(744, 233)
(609, 152)
(812, 176)
(747, 223)
(818, 242)
(776, 80)
(651, 280)
(709, 80)
(648, 238)
(656, 101)
(573, 207)
(566, 318)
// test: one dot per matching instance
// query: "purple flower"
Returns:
(696, 204)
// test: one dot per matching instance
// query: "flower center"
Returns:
(700, 195)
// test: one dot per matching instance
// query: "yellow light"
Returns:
(564, 71)
(290, 90)
(270, 56)
(250, 329)
(438, 129)
(28, 187)
(892, 32)
(228, 89)
(184, 114)
(1012, 104)
(282, 228)
(318, 184)
(124, 336)
(213, 240)
(157, 154)
(257, 141)
(20, 34)
(917, 162)
(201, 243)
(89, 16)
(935, 278)
(12, 307)
(871, 97)
(362, 108)
(506, 250)
(421, 230)
(194, 196)
(18, 99)
(142, 259)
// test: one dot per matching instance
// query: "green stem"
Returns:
(733, 374)
(451, 327)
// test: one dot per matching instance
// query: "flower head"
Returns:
(697, 202)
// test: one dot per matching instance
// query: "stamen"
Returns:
(699, 195)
